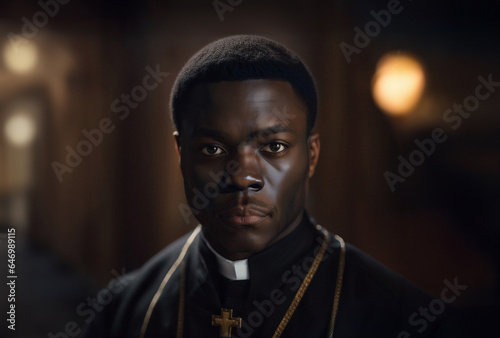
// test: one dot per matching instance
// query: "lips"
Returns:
(244, 215)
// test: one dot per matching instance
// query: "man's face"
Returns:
(246, 162)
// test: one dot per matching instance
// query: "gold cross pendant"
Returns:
(226, 322)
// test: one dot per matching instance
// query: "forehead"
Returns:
(249, 104)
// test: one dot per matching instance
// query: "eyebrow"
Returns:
(276, 129)
(220, 134)
(207, 132)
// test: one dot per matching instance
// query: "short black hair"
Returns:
(239, 58)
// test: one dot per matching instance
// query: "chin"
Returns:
(242, 243)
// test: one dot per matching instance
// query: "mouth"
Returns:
(244, 215)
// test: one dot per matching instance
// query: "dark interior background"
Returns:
(121, 204)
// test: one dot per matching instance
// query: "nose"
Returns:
(246, 182)
(247, 174)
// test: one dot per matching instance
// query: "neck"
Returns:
(240, 255)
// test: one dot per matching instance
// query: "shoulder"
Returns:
(164, 259)
(147, 278)
(366, 273)
(129, 305)
(381, 298)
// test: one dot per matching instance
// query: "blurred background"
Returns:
(89, 178)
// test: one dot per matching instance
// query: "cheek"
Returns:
(287, 180)
(201, 184)
(197, 174)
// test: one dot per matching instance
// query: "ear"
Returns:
(314, 147)
(177, 138)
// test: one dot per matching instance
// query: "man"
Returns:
(244, 108)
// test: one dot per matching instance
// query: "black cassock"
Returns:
(374, 301)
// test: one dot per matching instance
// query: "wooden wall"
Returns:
(120, 205)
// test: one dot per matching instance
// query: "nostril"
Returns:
(255, 186)
(247, 182)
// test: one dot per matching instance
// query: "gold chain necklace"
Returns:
(291, 309)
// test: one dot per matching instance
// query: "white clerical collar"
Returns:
(234, 270)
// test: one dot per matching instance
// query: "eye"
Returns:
(274, 147)
(212, 150)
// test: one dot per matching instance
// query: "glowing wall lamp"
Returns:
(398, 83)
(20, 129)
(21, 56)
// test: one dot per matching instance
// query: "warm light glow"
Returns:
(20, 129)
(21, 56)
(398, 83)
